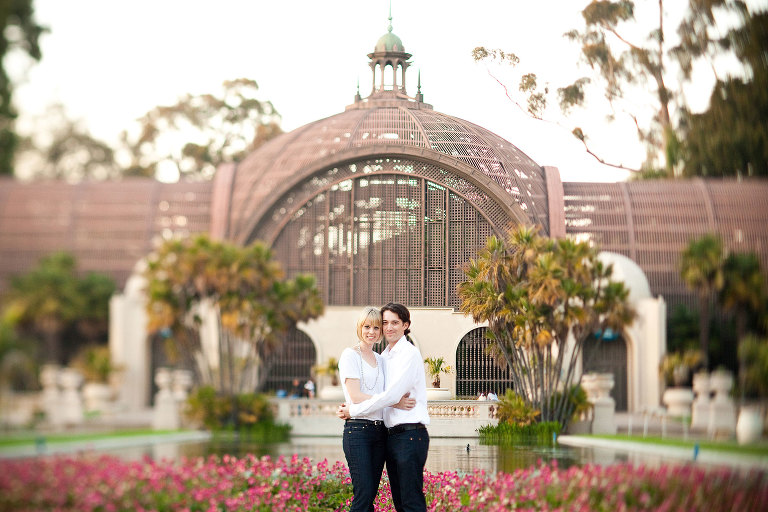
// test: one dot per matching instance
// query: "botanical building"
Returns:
(382, 202)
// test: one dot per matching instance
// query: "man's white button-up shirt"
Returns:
(404, 371)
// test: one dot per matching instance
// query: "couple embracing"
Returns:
(385, 410)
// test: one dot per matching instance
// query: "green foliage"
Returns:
(242, 287)
(249, 413)
(512, 434)
(730, 138)
(533, 291)
(330, 368)
(51, 299)
(436, 366)
(753, 351)
(224, 128)
(95, 363)
(577, 401)
(512, 409)
(19, 32)
(18, 366)
(677, 368)
(701, 268)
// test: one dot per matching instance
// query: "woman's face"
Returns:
(394, 328)
(371, 333)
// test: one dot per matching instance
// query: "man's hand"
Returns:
(343, 412)
(406, 403)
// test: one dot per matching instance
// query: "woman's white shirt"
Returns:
(353, 366)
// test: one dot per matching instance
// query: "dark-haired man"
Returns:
(407, 437)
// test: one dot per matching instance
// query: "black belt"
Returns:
(375, 423)
(403, 427)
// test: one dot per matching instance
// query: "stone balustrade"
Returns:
(448, 418)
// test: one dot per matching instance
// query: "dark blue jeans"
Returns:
(365, 447)
(406, 456)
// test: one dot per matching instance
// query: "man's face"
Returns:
(394, 328)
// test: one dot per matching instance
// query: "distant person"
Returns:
(309, 389)
(295, 389)
(407, 436)
(482, 396)
(493, 396)
(365, 437)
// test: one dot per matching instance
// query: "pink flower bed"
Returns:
(105, 483)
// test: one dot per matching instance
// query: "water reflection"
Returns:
(445, 454)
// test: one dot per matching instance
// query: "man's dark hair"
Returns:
(402, 313)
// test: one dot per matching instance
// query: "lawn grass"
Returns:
(31, 438)
(760, 448)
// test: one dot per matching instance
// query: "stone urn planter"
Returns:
(96, 396)
(749, 426)
(678, 401)
(331, 393)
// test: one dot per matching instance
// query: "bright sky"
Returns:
(111, 62)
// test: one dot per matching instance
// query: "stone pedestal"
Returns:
(700, 408)
(97, 396)
(52, 405)
(166, 412)
(678, 402)
(71, 401)
(598, 388)
(722, 411)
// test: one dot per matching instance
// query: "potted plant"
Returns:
(436, 366)
(95, 364)
(331, 369)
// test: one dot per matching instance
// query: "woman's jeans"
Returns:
(365, 447)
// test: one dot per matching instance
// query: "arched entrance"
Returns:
(293, 359)
(608, 356)
(476, 371)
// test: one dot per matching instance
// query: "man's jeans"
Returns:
(365, 447)
(406, 456)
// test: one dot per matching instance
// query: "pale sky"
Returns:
(109, 62)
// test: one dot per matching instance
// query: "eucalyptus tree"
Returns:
(193, 136)
(701, 268)
(19, 34)
(639, 66)
(542, 298)
(242, 288)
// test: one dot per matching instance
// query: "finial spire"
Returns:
(418, 85)
(389, 28)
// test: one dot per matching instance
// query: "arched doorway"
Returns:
(476, 371)
(293, 359)
(608, 356)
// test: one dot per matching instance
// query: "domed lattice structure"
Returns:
(388, 199)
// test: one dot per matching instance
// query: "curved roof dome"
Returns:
(385, 128)
(389, 42)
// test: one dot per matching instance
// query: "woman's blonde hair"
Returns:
(369, 315)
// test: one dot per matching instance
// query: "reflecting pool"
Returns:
(445, 454)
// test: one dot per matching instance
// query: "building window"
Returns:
(476, 371)
(292, 360)
(384, 238)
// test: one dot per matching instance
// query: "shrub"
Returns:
(514, 410)
(505, 433)
(247, 412)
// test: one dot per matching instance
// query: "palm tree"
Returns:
(742, 293)
(533, 291)
(45, 301)
(701, 268)
(244, 287)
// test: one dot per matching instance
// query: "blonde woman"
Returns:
(365, 437)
